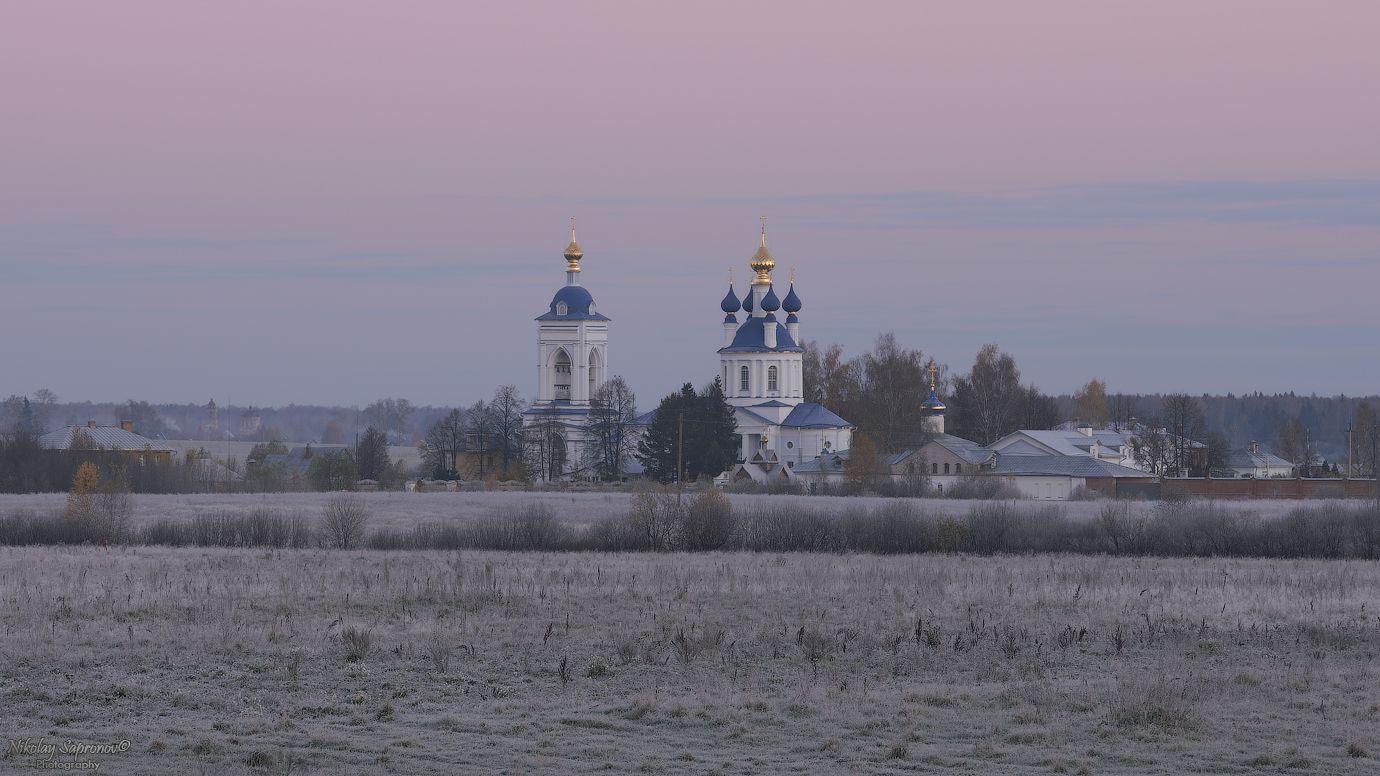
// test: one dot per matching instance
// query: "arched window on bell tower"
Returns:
(744, 383)
(771, 378)
(560, 376)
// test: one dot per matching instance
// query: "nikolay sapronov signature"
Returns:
(70, 755)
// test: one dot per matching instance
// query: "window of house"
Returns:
(934, 468)
(743, 378)
(910, 468)
(771, 378)
(946, 468)
(958, 468)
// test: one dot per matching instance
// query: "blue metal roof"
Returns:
(791, 303)
(747, 300)
(730, 304)
(577, 300)
(751, 338)
(811, 415)
(772, 403)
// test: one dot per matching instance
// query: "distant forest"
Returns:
(1258, 417)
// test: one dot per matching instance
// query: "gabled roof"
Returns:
(1063, 466)
(828, 463)
(811, 415)
(966, 449)
(751, 338)
(1245, 459)
(108, 437)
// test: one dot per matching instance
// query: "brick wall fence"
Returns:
(1266, 488)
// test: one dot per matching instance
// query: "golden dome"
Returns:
(762, 263)
(573, 254)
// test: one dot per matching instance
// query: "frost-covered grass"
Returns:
(403, 510)
(244, 661)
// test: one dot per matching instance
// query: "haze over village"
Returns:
(718, 388)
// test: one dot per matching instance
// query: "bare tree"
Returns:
(390, 416)
(989, 401)
(505, 413)
(613, 409)
(444, 439)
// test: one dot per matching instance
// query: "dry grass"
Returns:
(244, 661)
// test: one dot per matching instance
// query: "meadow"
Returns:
(215, 660)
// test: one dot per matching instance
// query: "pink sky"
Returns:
(331, 202)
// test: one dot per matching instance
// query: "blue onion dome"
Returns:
(770, 318)
(933, 404)
(730, 304)
(730, 318)
(747, 302)
(792, 318)
(769, 302)
(791, 304)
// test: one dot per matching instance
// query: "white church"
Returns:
(760, 363)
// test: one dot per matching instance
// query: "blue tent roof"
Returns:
(811, 415)
(751, 338)
(577, 300)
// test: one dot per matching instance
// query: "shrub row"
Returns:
(662, 521)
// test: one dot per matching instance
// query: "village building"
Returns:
(120, 439)
(1255, 463)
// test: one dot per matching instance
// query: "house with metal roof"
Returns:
(120, 439)
(1060, 477)
(1253, 462)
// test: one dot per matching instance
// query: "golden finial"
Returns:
(934, 371)
(573, 254)
(762, 263)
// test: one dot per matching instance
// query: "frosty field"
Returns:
(245, 661)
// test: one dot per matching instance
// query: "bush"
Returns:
(343, 521)
(707, 521)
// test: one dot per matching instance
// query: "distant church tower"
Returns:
(572, 362)
(932, 407)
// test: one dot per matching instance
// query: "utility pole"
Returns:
(680, 456)
(1348, 451)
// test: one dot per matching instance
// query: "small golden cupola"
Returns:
(762, 263)
(573, 254)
